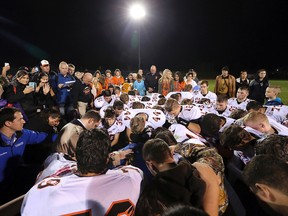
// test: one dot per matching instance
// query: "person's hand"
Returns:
(172, 148)
(92, 104)
(124, 153)
(41, 84)
(60, 85)
(6, 68)
(28, 90)
(117, 156)
(46, 88)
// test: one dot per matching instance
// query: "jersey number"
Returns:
(120, 208)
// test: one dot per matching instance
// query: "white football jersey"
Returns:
(197, 97)
(188, 95)
(254, 132)
(100, 102)
(132, 99)
(228, 122)
(116, 128)
(204, 108)
(149, 104)
(57, 165)
(154, 96)
(278, 113)
(156, 118)
(232, 102)
(181, 133)
(226, 113)
(281, 129)
(113, 193)
(189, 112)
(102, 111)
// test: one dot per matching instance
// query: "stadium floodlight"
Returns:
(137, 11)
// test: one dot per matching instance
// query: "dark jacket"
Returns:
(152, 81)
(180, 184)
(257, 89)
(27, 101)
(81, 92)
(52, 79)
(45, 101)
(240, 83)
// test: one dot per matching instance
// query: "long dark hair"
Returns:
(180, 76)
(40, 75)
(19, 74)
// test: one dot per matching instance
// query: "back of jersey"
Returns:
(113, 193)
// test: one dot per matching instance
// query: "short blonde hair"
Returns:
(171, 104)
(255, 118)
(276, 89)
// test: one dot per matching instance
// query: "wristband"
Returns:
(183, 122)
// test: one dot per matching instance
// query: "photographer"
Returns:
(21, 95)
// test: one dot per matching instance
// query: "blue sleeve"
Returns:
(33, 137)
(134, 86)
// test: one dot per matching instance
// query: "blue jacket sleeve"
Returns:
(33, 137)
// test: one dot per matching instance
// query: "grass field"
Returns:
(282, 83)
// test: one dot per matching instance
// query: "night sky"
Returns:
(175, 34)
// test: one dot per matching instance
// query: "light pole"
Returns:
(137, 12)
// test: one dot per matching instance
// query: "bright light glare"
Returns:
(137, 11)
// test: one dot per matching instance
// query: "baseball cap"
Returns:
(44, 62)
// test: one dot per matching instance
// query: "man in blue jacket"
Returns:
(13, 139)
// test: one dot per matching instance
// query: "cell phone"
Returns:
(32, 84)
(6, 64)
(36, 69)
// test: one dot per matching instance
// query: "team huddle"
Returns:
(166, 149)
